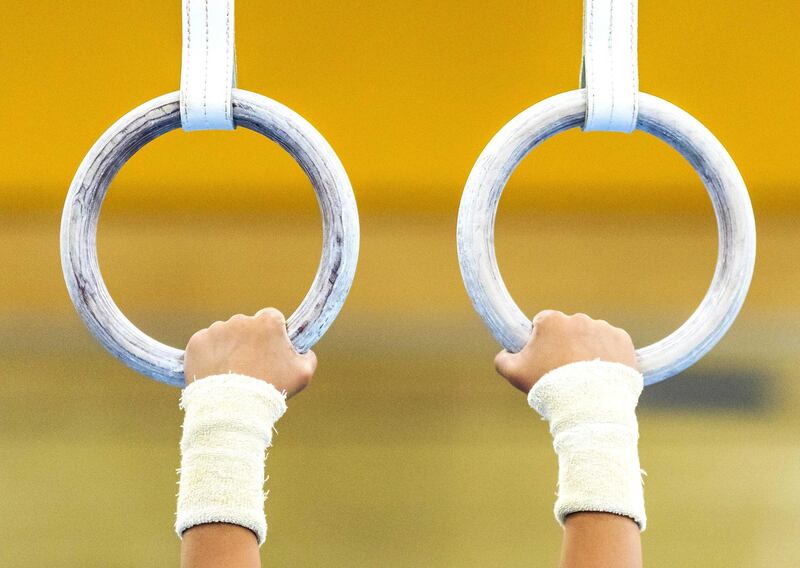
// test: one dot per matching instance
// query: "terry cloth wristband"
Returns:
(226, 431)
(591, 407)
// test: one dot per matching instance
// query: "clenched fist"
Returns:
(257, 346)
(557, 340)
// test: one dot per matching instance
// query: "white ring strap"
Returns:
(610, 71)
(208, 72)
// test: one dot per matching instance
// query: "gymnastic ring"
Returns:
(735, 223)
(340, 227)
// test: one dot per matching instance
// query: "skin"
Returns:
(258, 347)
(591, 540)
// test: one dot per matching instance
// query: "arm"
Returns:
(236, 364)
(590, 405)
(601, 540)
(219, 545)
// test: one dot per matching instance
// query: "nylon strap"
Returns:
(208, 70)
(610, 70)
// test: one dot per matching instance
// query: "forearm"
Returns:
(239, 374)
(601, 540)
(219, 545)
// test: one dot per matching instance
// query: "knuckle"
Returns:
(548, 317)
(272, 315)
(623, 334)
(197, 337)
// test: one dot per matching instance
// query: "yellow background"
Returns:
(407, 450)
(408, 93)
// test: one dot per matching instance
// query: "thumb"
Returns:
(505, 363)
(310, 359)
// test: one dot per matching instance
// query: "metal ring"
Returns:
(129, 134)
(735, 223)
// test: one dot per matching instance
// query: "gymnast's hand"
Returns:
(591, 537)
(557, 340)
(257, 346)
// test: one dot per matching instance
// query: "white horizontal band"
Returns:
(610, 69)
(226, 431)
(591, 407)
(208, 71)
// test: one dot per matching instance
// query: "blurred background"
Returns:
(407, 450)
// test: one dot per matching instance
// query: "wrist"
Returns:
(591, 407)
(227, 427)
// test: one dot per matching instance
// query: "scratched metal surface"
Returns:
(340, 227)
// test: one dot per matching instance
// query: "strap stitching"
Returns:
(205, 74)
(229, 84)
(590, 43)
(611, 63)
(634, 65)
(185, 88)
(605, 90)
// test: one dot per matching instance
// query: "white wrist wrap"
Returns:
(591, 407)
(226, 430)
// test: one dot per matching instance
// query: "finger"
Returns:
(545, 315)
(275, 323)
(623, 334)
(271, 316)
(310, 359)
(582, 316)
(504, 362)
(542, 320)
(197, 336)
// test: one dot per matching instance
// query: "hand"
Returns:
(557, 340)
(256, 346)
